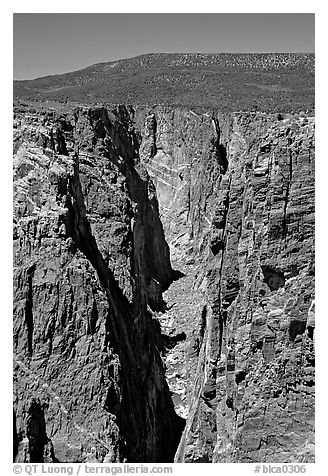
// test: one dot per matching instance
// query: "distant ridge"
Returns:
(269, 82)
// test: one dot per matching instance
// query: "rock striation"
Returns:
(164, 285)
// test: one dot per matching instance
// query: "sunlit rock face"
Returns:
(164, 271)
(88, 244)
(236, 196)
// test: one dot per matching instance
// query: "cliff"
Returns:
(236, 195)
(164, 266)
(90, 262)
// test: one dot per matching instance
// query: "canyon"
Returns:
(163, 285)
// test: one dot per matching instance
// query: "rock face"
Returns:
(109, 339)
(90, 263)
(236, 195)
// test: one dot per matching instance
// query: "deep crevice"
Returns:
(296, 328)
(274, 278)
(29, 310)
(134, 391)
(36, 432)
(240, 376)
(220, 149)
(289, 180)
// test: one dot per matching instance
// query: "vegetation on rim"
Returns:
(267, 82)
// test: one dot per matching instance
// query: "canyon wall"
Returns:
(90, 263)
(164, 266)
(236, 196)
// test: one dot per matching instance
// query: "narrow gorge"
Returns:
(163, 285)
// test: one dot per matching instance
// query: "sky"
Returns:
(53, 43)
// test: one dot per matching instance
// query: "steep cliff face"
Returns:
(90, 263)
(184, 157)
(110, 342)
(236, 195)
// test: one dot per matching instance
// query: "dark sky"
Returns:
(50, 43)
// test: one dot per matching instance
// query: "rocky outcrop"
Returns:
(91, 262)
(236, 195)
